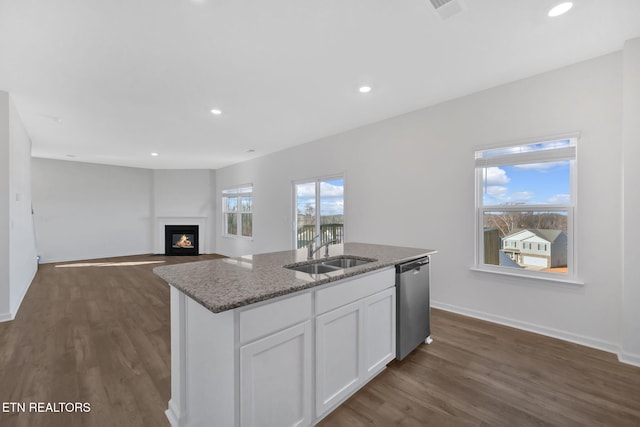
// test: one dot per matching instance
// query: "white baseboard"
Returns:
(101, 256)
(5, 317)
(171, 415)
(628, 358)
(14, 310)
(542, 330)
(89, 257)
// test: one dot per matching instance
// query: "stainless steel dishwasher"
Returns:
(413, 312)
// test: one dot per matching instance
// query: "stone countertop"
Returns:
(227, 283)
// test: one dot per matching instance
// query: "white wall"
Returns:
(18, 263)
(5, 312)
(272, 178)
(426, 159)
(184, 197)
(85, 211)
(631, 232)
(23, 265)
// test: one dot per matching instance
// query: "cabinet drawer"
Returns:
(353, 289)
(269, 318)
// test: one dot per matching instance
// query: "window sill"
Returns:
(233, 236)
(545, 277)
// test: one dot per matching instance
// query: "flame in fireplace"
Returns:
(184, 242)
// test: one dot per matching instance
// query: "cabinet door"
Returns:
(275, 379)
(338, 355)
(379, 331)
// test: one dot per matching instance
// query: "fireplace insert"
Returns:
(181, 240)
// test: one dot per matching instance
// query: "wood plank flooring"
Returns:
(91, 331)
(479, 373)
(98, 332)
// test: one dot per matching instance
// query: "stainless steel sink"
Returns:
(315, 268)
(346, 262)
(328, 265)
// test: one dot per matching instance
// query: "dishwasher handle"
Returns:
(412, 265)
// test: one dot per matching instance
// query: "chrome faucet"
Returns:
(311, 251)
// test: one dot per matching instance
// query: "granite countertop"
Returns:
(227, 283)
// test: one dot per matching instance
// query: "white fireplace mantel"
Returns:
(200, 221)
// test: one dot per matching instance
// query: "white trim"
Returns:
(231, 192)
(609, 347)
(234, 237)
(91, 256)
(530, 327)
(317, 180)
(566, 153)
(177, 406)
(161, 221)
(503, 144)
(559, 154)
(14, 310)
(528, 274)
(171, 415)
(520, 208)
(629, 359)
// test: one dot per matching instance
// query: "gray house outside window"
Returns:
(536, 248)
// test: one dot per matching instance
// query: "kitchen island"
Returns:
(255, 343)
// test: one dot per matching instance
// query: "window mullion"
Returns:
(318, 210)
(239, 215)
(518, 230)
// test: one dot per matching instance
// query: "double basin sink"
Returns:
(328, 265)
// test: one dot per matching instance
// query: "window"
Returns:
(526, 199)
(328, 195)
(237, 211)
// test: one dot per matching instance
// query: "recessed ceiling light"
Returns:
(216, 112)
(560, 9)
(365, 89)
(155, 154)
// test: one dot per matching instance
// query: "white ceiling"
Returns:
(110, 81)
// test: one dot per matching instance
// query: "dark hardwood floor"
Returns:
(480, 373)
(98, 332)
(91, 331)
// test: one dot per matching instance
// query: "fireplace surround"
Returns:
(181, 240)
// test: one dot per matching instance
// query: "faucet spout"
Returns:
(311, 251)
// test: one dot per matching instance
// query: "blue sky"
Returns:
(537, 183)
(331, 196)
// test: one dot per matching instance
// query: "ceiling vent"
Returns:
(447, 8)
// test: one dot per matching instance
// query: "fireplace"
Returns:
(181, 240)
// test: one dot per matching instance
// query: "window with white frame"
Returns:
(525, 201)
(319, 210)
(237, 211)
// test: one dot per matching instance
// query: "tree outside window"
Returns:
(319, 205)
(525, 201)
(237, 211)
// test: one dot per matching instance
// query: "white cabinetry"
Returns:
(379, 339)
(355, 340)
(255, 366)
(338, 355)
(275, 370)
(275, 379)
